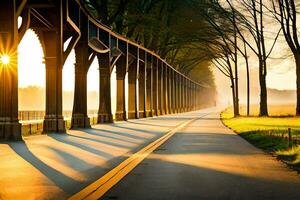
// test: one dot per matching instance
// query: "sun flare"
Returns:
(5, 59)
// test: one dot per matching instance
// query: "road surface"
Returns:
(206, 160)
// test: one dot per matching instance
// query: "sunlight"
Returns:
(5, 59)
(230, 164)
(93, 86)
(31, 61)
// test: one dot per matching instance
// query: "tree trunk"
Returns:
(297, 59)
(237, 111)
(233, 96)
(248, 79)
(248, 87)
(263, 90)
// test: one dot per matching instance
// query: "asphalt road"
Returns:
(206, 160)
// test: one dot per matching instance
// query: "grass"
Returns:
(269, 133)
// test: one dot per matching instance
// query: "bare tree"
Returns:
(251, 17)
(286, 13)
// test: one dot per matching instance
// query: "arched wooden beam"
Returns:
(98, 46)
(21, 7)
(75, 38)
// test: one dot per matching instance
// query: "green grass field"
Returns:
(269, 133)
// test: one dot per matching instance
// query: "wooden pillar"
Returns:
(133, 111)
(183, 94)
(179, 79)
(170, 90)
(80, 117)
(193, 96)
(165, 88)
(189, 103)
(155, 87)
(142, 85)
(53, 44)
(160, 88)
(186, 94)
(198, 97)
(104, 112)
(149, 84)
(176, 92)
(10, 128)
(121, 68)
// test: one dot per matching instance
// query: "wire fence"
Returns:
(290, 136)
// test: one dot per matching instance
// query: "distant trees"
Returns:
(248, 20)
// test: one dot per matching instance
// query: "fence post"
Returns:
(290, 137)
(30, 128)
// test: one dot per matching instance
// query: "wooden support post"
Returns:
(53, 44)
(142, 85)
(176, 83)
(160, 88)
(165, 89)
(80, 117)
(104, 112)
(179, 79)
(155, 87)
(149, 85)
(121, 73)
(10, 128)
(170, 90)
(133, 111)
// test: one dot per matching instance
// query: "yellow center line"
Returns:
(106, 182)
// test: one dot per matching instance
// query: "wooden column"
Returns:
(165, 88)
(121, 68)
(179, 93)
(170, 90)
(160, 88)
(186, 95)
(189, 106)
(149, 84)
(104, 112)
(133, 111)
(80, 117)
(10, 128)
(175, 92)
(53, 44)
(142, 85)
(155, 87)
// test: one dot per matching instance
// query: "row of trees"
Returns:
(250, 25)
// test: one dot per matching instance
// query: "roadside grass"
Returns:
(269, 133)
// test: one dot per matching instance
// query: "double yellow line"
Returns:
(102, 185)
